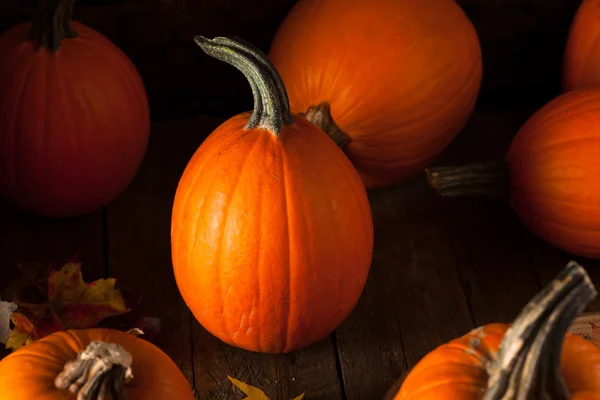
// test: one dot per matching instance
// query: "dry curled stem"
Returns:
(98, 373)
(320, 115)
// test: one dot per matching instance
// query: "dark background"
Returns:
(522, 43)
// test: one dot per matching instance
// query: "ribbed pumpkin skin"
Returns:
(456, 370)
(74, 126)
(582, 53)
(29, 372)
(272, 237)
(401, 76)
(555, 172)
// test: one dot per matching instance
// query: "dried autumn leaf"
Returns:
(6, 309)
(253, 392)
(69, 303)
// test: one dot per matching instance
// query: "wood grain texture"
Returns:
(489, 241)
(522, 52)
(413, 300)
(139, 226)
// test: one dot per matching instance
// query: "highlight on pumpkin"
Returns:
(91, 111)
(391, 81)
(534, 357)
(285, 211)
(549, 176)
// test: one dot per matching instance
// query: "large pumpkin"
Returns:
(552, 172)
(82, 364)
(391, 81)
(74, 117)
(271, 231)
(531, 359)
(582, 53)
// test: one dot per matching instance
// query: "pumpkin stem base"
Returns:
(99, 371)
(474, 180)
(320, 115)
(528, 364)
(52, 24)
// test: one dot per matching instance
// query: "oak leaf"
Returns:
(252, 392)
(68, 303)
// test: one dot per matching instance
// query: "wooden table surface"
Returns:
(440, 267)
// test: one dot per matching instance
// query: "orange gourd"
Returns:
(271, 234)
(133, 369)
(552, 173)
(533, 358)
(74, 117)
(582, 53)
(391, 81)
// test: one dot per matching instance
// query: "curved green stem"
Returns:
(99, 371)
(528, 362)
(52, 24)
(481, 179)
(271, 103)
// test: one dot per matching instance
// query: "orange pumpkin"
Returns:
(531, 359)
(74, 117)
(554, 172)
(271, 231)
(102, 360)
(582, 53)
(391, 81)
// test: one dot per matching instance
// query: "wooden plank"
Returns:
(25, 238)
(488, 239)
(548, 261)
(139, 246)
(522, 53)
(311, 370)
(413, 300)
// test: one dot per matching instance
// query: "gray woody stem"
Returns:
(98, 373)
(52, 24)
(527, 366)
(483, 179)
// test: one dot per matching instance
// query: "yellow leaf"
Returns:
(252, 392)
(68, 303)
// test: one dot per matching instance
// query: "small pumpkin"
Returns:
(89, 364)
(74, 117)
(582, 52)
(271, 232)
(550, 174)
(530, 359)
(391, 81)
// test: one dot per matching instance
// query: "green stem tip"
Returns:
(271, 103)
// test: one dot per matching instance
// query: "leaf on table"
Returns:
(68, 303)
(252, 392)
(6, 309)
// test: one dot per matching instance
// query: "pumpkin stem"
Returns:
(100, 370)
(320, 115)
(472, 180)
(527, 365)
(52, 23)
(271, 102)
